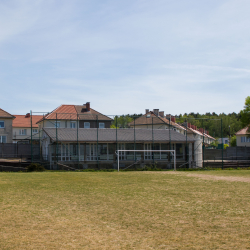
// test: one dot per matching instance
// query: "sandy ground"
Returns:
(213, 177)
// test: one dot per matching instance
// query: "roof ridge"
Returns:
(7, 113)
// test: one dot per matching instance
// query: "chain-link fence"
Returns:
(83, 139)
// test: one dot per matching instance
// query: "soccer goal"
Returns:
(122, 152)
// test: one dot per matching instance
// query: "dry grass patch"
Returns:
(134, 210)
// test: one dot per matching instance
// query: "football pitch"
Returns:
(125, 210)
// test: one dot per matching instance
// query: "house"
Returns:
(73, 116)
(224, 140)
(92, 146)
(243, 137)
(156, 120)
(6, 120)
(22, 128)
(194, 132)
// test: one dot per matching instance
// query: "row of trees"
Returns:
(231, 123)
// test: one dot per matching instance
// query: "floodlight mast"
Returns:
(124, 150)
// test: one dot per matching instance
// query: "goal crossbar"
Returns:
(145, 150)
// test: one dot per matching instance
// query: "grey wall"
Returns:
(235, 153)
(7, 130)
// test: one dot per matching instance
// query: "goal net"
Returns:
(147, 155)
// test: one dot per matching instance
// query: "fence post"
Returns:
(97, 149)
(134, 141)
(31, 142)
(222, 148)
(77, 141)
(56, 144)
(153, 140)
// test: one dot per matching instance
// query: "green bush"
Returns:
(35, 167)
(233, 141)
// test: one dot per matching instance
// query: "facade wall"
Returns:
(67, 123)
(239, 142)
(95, 124)
(17, 136)
(7, 130)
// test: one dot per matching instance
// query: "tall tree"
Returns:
(245, 114)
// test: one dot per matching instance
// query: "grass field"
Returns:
(126, 210)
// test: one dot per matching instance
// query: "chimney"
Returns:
(146, 111)
(88, 106)
(161, 113)
(27, 115)
(192, 126)
(168, 116)
(189, 125)
(207, 132)
(173, 119)
(156, 111)
(201, 130)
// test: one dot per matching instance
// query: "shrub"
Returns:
(35, 167)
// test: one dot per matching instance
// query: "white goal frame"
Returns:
(145, 150)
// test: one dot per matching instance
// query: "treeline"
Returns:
(231, 123)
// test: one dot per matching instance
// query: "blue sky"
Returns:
(125, 56)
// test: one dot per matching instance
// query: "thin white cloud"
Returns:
(129, 55)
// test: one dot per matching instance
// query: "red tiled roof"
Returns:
(71, 112)
(4, 114)
(22, 121)
(63, 112)
(243, 131)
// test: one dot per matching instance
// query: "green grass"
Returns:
(126, 210)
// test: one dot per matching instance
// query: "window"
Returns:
(1, 124)
(243, 139)
(22, 131)
(86, 125)
(57, 124)
(73, 125)
(35, 130)
(3, 138)
(101, 125)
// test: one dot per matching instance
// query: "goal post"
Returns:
(145, 150)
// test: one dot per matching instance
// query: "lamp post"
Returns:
(229, 136)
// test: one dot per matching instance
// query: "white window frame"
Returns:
(85, 124)
(101, 125)
(1, 138)
(3, 124)
(23, 131)
(72, 123)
